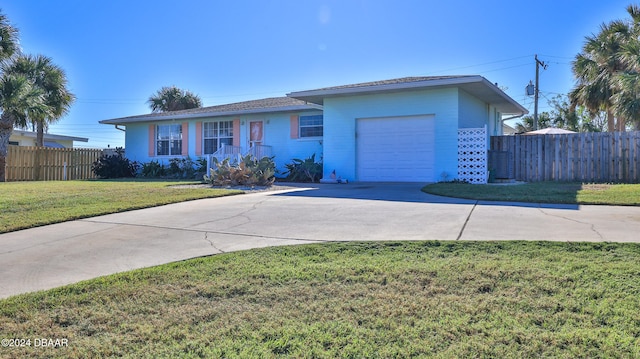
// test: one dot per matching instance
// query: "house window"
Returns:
(311, 126)
(169, 140)
(214, 134)
(14, 143)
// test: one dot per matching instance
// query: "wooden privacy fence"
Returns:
(50, 164)
(587, 157)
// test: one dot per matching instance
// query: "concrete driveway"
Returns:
(51, 256)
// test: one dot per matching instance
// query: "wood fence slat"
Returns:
(48, 164)
(586, 157)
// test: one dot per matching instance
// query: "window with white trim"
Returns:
(214, 134)
(310, 126)
(169, 140)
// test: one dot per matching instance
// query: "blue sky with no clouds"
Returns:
(117, 53)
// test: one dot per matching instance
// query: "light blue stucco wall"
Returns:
(495, 123)
(277, 133)
(473, 113)
(136, 144)
(340, 116)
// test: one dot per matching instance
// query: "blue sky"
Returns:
(117, 53)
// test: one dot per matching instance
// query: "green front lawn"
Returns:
(30, 204)
(543, 192)
(350, 300)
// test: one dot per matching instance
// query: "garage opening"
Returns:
(395, 149)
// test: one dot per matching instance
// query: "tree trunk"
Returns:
(40, 134)
(611, 121)
(621, 125)
(6, 127)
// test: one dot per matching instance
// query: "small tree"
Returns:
(115, 166)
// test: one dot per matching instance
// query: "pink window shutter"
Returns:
(185, 138)
(294, 120)
(236, 132)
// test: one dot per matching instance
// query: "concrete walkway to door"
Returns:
(51, 256)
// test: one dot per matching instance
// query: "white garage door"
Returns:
(399, 149)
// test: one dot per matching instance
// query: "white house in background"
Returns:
(508, 130)
(28, 138)
(403, 130)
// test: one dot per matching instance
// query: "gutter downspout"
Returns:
(511, 118)
(118, 128)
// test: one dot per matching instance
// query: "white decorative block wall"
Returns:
(472, 155)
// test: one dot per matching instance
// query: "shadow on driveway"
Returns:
(397, 192)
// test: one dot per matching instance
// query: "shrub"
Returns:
(307, 170)
(181, 168)
(153, 169)
(201, 168)
(248, 172)
(178, 168)
(115, 166)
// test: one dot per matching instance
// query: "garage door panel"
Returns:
(395, 149)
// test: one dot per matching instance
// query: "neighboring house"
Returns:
(395, 130)
(508, 130)
(28, 138)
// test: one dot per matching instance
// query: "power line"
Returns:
(130, 101)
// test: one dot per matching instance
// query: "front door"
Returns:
(256, 133)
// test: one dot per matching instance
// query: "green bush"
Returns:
(153, 169)
(181, 168)
(114, 166)
(177, 168)
(248, 172)
(201, 167)
(307, 170)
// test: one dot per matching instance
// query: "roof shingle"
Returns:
(272, 104)
(401, 80)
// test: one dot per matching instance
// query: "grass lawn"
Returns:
(29, 204)
(350, 300)
(543, 192)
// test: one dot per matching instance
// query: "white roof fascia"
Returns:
(50, 136)
(386, 87)
(169, 117)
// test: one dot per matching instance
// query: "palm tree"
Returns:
(608, 72)
(171, 98)
(51, 80)
(8, 38)
(627, 99)
(8, 47)
(595, 69)
(19, 101)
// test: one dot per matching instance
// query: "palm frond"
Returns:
(171, 98)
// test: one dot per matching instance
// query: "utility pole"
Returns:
(536, 95)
